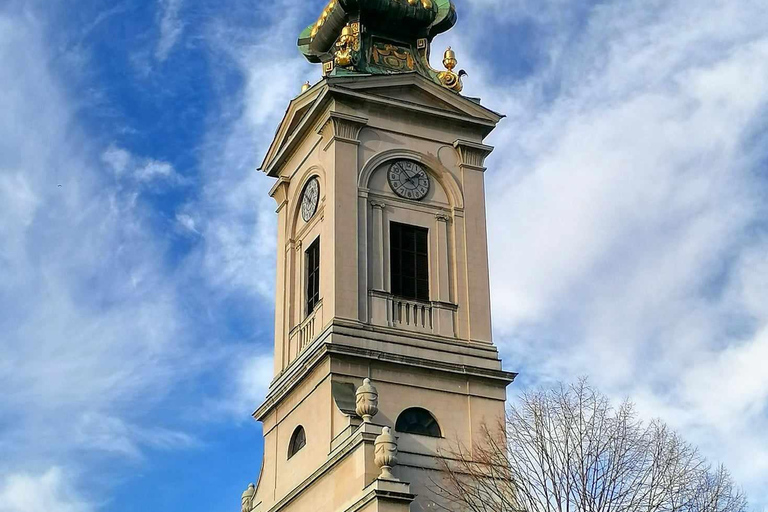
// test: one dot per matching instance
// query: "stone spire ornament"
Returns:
(367, 401)
(247, 499)
(386, 453)
(380, 37)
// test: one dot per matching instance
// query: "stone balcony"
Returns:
(430, 317)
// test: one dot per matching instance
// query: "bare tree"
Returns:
(569, 450)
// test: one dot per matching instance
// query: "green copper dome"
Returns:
(380, 37)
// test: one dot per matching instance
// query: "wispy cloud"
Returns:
(171, 27)
(628, 215)
(140, 170)
(235, 214)
(92, 332)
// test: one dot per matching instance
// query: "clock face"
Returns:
(408, 179)
(310, 199)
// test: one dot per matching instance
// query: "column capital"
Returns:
(472, 155)
(279, 192)
(345, 127)
(378, 205)
(443, 217)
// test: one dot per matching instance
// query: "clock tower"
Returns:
(384, 357)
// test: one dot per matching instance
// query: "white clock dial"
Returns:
(310, 199)
(408, 179)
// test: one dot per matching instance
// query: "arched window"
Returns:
(418, 421)
(298, 441)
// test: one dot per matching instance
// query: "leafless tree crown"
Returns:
(569, 450)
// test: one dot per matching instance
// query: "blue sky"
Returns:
(627, 218)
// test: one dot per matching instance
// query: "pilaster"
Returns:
(341, 141)
(472, 157)
(279, 193)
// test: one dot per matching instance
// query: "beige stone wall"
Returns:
(443, 362)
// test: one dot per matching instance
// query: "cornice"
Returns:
(321, 348)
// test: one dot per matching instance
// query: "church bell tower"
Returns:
(384, 357)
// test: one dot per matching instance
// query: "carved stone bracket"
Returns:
(345, 127)
(471, 154)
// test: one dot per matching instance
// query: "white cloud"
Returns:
(187, 222)
(117, 159)
(92, 333)
(171, 28)
(627, 211)
(247, 385)
(25, 492)
(124, 164)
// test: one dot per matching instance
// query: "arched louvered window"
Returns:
(418, 421)
(298, 441)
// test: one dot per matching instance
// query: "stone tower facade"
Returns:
(383, 349)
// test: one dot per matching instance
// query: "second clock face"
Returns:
(408, 179)
(310, 199)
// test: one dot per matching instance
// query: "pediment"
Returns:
(412, 89)
(404, 91)
(414, 95)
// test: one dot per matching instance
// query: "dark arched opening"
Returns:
(418, 421)
(298, 441)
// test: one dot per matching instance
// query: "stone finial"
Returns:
(386, 453)
(367, 401)
(306, 86)
(247, 499)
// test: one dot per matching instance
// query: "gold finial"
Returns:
(450, 79)
(449, 59)
(307, 86)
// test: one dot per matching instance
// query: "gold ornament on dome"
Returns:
(393, 57)
(347, 45)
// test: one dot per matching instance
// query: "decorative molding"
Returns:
(289, 378)
(441, 217)
(433, 166)
(471, 154)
